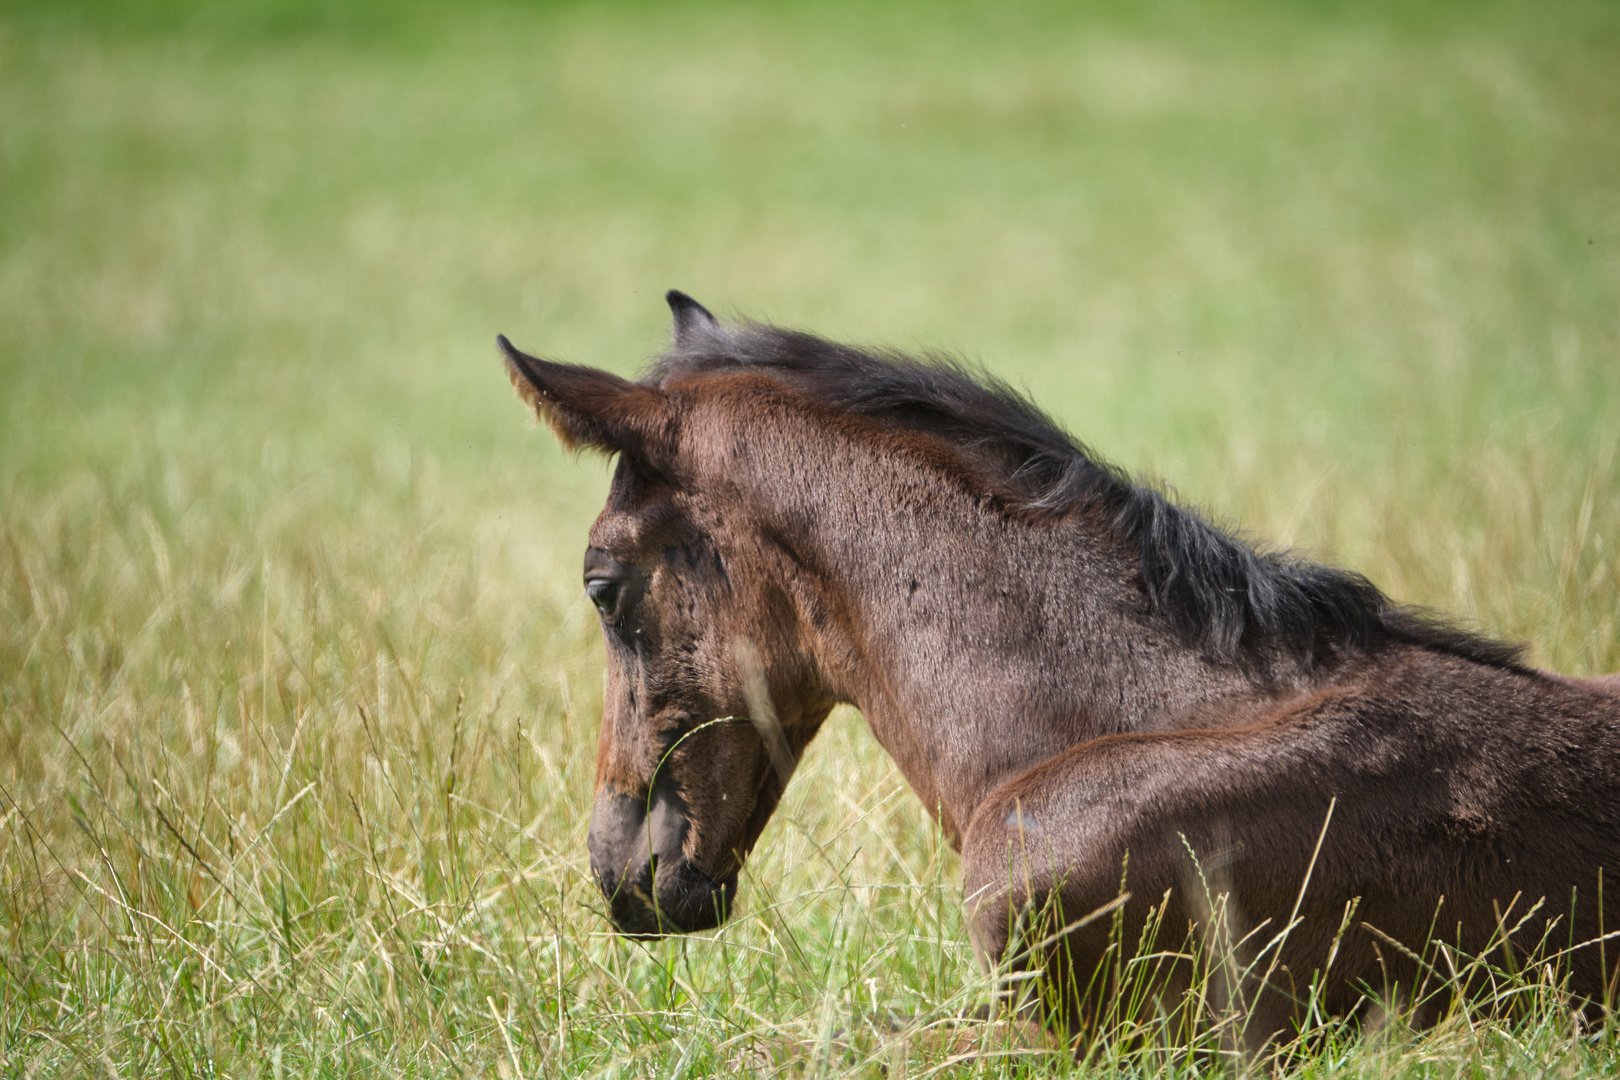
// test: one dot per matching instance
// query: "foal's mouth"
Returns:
(685, 901)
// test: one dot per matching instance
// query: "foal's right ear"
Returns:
(587, 406)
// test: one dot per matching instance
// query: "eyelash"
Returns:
(604, 593)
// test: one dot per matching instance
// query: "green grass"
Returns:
(297, 694)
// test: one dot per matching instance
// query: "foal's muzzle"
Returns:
(651, 888)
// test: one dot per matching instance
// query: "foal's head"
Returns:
(711, 691)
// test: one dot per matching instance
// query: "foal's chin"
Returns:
(687, 901)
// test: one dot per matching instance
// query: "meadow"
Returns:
(298, 686)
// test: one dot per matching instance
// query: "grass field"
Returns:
(298, 694)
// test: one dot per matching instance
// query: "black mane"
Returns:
(1216, 588)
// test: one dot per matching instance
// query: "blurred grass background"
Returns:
(299, 699)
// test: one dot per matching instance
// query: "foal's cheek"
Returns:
(720, 798)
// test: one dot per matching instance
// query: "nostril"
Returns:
(652, 866)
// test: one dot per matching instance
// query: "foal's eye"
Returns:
(604, 593)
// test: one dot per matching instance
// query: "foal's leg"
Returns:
(1440, 825)
(1069, 865)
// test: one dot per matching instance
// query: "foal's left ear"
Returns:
(692, 319)
(586, 406)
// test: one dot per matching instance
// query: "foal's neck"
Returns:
(986, 644)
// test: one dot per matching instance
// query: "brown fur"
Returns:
(1073, 712)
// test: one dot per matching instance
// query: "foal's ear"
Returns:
(586, 406)
(692, 319)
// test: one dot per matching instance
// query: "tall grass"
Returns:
(298, 696)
